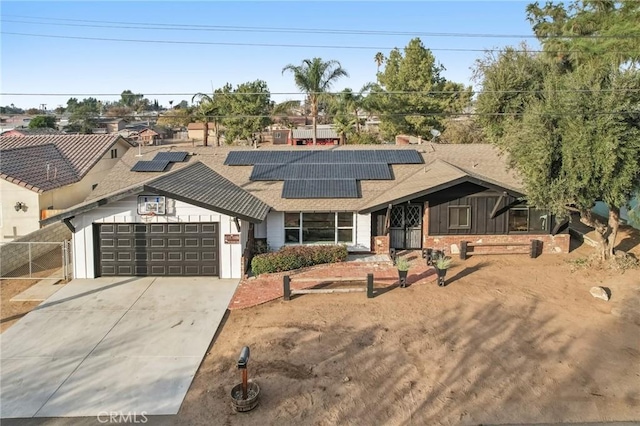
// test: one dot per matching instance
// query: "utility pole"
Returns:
(43, 108)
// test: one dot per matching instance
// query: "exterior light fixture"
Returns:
(20, 206)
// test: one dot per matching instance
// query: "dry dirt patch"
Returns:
(509, 340)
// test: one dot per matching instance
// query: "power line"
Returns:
(392, 92)
(305, 46)
(234, 28)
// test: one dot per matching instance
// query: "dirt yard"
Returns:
(508, 340)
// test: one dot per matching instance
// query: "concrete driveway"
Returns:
(127, 345)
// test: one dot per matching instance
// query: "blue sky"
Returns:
(59, 65)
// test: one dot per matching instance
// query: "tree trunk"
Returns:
(614, 223)
(343, 139)
(602, 234)
(205, 135)
(216, 129)
(314, 113)
(357, 121)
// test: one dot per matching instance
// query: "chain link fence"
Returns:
(29, 260)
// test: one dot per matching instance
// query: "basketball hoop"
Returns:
(147, 217)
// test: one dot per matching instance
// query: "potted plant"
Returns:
(441, 263)
(403, 269)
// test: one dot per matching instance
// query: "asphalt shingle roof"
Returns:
(37, 131)
(480, 161)
(79, 153)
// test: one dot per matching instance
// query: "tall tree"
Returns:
(571, 123)
(412, 94)
(315, 77)
(379, 60)
(248, 111)
(43, 122)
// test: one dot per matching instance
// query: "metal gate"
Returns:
(27, 260)
(406, 226)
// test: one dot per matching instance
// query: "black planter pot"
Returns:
(403, 278)
(441, 274)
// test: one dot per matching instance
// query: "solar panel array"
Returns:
(160, 161)
(150, 166)
(322, 174)
(322, 188)
(388, 156)
(373, 171)
(172, 156)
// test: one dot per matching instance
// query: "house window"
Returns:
(278, 135)
(318, 228)
(526, 219)
(459, 217)
(114, 153)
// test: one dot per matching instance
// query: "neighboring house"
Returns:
(325, 136)
(195, 131)
(208, 207)
(279, 137)
(8, 122)
(152, 135)
(109, 125)
(42, 175)
(31, 132)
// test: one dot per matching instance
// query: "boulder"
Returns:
(599, 293)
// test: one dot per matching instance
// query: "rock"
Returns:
(346, 379)
(599, 293)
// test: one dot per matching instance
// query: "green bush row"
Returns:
(294, 257)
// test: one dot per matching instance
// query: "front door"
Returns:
(406, 227)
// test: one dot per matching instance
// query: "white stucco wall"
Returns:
(275, 231)
(24, 222)
(125, 211)
(57, 199)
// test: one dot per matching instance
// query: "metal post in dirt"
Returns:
(286, 283)
(369, 286)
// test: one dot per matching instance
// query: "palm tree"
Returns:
(209, 109)
(379, 58)
(315, 77)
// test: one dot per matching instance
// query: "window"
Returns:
(318, 228)
(278, 135)
(114, 153)
(459, 217)
(526, 219)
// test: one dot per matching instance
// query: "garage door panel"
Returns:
(158, 249)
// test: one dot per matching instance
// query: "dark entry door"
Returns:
(405, 228)
(159, 249)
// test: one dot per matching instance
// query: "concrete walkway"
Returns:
(111, 344)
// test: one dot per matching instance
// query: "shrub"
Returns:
(295, 257)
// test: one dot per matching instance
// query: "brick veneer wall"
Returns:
(14, 256)
(451, 243)
(380, 244)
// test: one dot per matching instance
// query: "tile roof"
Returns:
(195, 183)
(79, 152)
(37, 131)
(38, 168)
(442, 163)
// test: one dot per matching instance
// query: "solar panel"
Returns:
(365, 156)
(150, 166)
(172, 157)
(324, 188)
(373, 171)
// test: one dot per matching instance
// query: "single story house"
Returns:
(42, 175)
(25, 131)
(198, 212)
(195, 131)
